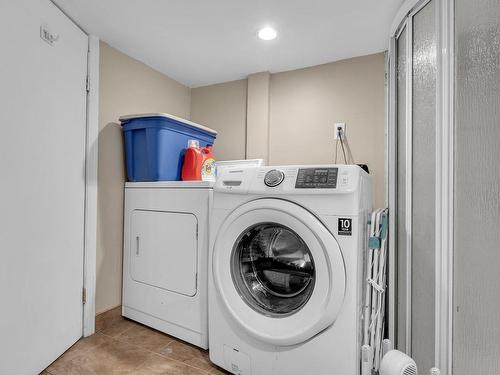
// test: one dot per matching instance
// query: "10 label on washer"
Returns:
(345, 227)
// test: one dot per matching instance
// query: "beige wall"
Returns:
(223, 107)
(258, 125)
(126, 86)
(304, 105)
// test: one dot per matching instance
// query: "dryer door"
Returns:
(164, 249)
(278, 271)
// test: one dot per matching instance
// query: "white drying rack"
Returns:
(374, 308)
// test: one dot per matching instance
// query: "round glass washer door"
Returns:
(278, 271)
(272, 269)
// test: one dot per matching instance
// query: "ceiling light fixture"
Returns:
(267, 33)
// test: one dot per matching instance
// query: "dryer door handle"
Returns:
(137, 243)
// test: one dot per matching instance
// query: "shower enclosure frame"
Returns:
(444, 179)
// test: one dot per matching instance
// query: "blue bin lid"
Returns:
(170, 117)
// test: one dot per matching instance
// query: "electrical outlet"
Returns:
(336, 127)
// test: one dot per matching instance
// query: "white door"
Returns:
(42, 169)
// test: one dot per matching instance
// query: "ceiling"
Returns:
(201, 42)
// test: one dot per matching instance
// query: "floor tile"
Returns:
(218, 371)
(158, 364)
(119, 327)
(201, 362)
(88, 343)
(108, 318)
(182, 351)
(127, 347)
(111, 357)
(145, 337)
(79, 349)
(68, 368)
(190, 355)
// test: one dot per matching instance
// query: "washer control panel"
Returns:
(316, 178)
(274, 177)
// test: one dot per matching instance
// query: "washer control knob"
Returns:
(274, 177)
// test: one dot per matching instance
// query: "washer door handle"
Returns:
(137, 245)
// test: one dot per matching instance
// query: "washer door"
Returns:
(278, 271)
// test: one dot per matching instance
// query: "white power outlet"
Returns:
(338, 127)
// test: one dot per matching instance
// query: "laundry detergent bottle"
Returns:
(199, 163)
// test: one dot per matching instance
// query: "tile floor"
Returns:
(121, 346)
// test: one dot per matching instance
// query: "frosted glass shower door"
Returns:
(476, 277)
(423, 249)
(416, 76)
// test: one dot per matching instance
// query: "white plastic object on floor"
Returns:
(386, 346)
(435, 371)
(397, 363)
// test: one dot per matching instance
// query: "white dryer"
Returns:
(286, 265)
(165, 258)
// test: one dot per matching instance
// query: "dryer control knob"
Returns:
(274, 177)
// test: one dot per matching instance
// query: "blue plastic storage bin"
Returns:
(155, 144)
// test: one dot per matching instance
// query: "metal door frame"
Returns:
(444, 186)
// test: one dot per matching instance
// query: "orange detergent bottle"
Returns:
(199, 163)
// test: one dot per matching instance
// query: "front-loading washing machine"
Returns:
(165, 257)
(285, 269)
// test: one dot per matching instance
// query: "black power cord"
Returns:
(340, 136)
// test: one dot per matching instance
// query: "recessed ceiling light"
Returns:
(267, 33)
